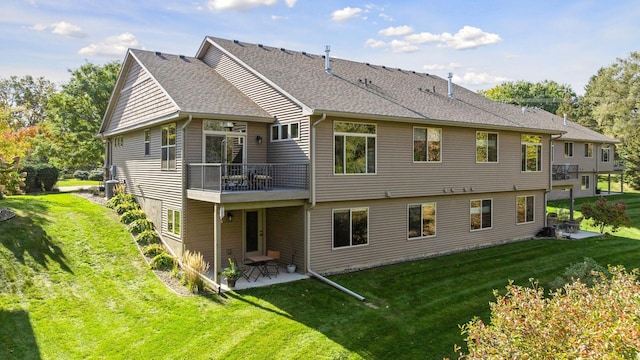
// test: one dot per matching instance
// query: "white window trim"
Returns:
(481, 228)
(414, 140)
(344, 155)
(525, 208)
(541, 154)
(475, 148)
(147, 142)
(582, 184)
(585, 148)
(278, 130)
(572, 149)
(351, 210)
(435, 220)
(173, 213)
(607, 149)
(175, 146)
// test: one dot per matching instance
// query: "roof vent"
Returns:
(450, 77)
(236, 42)
(282, 49)
(327, 61)
(565, 119)
(304, 53)
(260, 45)
(182, 57)
(384, 67)
(158, 53)
(367, 64)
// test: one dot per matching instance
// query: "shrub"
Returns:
(587, 271)
(81, 175)
(162, 261)
(11, 178)
(48, 175)
(147, 237)
(96, 175)
(604, 213)
(194, 265)
(118, 199)
(126, 206)
(140, 225)
(131, 215)
(31, 179)
(119, 189)
(574, 322)
(153, 250)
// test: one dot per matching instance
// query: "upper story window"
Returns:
(606, 153)
(354, 148)
(480, 212)
(422, 220)
(486, 147)
(588, 150)
(426, 144)
(568, 149)
(350, 227)
(285, 131)
(118, 141)
(525, 208)
(168, 147)
(147, 142)
(531, 152)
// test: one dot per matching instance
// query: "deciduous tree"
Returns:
(604, 213)
(26, 98)
(547, 95)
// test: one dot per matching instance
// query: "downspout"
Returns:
(311, 207)
(183, 157)
(551, 139)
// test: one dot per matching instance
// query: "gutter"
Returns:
(311, 207)
(184, 177)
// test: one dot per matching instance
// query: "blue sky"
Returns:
(483, 43)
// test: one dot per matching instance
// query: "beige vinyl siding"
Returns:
(143, 176)
(275, 103)
(387, 235)
(396, 172)
(140, 99)
(232, 239)
(285, 232)
(198, 236)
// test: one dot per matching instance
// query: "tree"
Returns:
(574, 322)
(26, 99)
(75, 114)
(11, 179)
(547, 95)
(604, 213)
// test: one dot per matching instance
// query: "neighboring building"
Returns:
(579, 157)
(347, 165)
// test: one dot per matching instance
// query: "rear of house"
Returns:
(338, 165)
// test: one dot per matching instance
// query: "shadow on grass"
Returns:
(24, 237)
(17, 339)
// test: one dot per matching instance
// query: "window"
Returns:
(525, 209)
(531, 152)
(568, 149)
(588, 150)
(426, 144)
(147, 142)
(173, 221)
(486, 147)
(350, 227)
(480, 211)
(354, 148)
(586, 180)
(422, 220)
(606, 153)
(169, 147)
(118, 141)
(285, 131)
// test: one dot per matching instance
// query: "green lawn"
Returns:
(73, 285)
(76, 182)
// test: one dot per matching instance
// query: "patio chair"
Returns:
(273, 266)
(246, 270)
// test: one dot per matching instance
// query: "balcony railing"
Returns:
(564, 172)
(247, 177)
(619, 164)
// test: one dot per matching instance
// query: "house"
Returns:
(342, 164)
(579, 157)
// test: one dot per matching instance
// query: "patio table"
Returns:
(259, 262)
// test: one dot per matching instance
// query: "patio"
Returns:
(242, 283)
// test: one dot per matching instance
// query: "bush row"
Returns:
(95, 175)
(40, 177)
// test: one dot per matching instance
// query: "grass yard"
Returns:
(77, 182)
(72, 285)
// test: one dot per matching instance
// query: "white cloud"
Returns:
(345, 14)
(450, 66)
(112, 46)
(401, 46)
(468, 37)
(385, 17)
(61, 28)
(277, 17)
(472, 78)
(291, 3)
(376, 44)
(221, 5)
(396, 31)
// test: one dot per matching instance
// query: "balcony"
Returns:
(619, 164)
(564, 172)
(247, 182)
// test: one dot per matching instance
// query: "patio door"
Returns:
(254, 232)
(223, 149)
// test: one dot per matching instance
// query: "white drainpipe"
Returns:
(184, 178)
(313, 205)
